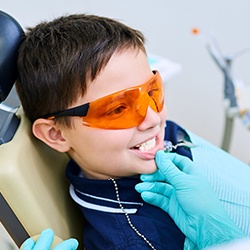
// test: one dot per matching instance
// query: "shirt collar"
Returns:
(100, 194)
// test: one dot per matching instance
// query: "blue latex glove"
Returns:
(185, 194)
(45, 241)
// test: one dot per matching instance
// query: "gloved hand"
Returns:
(45, 241)
(180, 189)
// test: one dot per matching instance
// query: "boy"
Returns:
(85, 83)
(99, 66)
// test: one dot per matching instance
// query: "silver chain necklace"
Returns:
(127, 216)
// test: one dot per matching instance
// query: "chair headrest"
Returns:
(11, 35)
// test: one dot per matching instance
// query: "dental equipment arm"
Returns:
(45, 241)
(179, 189)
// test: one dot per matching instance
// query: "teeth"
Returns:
(147, 145)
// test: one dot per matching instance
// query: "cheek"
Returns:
(163, 113)
(115, 140)
(102, 141)
(163, 116)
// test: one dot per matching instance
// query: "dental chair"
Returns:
(33, 190)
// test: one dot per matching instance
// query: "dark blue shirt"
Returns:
(105, 224)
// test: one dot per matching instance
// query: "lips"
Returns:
(147, 150)
(145, 146)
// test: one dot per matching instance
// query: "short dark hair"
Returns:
(57, 58)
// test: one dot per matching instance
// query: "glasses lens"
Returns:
(156, 94)
(126, 108)
(114, 111)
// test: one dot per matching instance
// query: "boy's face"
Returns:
(104, 153)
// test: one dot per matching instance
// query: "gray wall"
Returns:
(194, 98)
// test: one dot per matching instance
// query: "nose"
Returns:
(151, 120)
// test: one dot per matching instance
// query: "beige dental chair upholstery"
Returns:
(33, 189)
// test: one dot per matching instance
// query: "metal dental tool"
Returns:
(168, 145)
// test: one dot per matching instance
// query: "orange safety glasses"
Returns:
(123, 109)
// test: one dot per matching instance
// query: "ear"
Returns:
(47, 131)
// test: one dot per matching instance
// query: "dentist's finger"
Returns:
(172, 173)
(157, 200)
(180, 161)
(155, 187)
(45, 240)
(28, 244)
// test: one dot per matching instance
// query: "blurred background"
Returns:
(194, 96)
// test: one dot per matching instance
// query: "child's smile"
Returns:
(148, 148)
(147, 145)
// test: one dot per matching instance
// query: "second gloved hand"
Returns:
(45, 240)
(185, 194)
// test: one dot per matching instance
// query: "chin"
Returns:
(149, 169)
